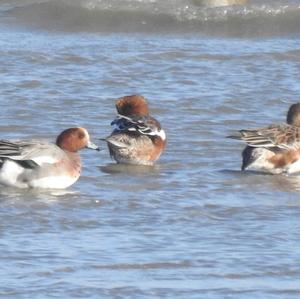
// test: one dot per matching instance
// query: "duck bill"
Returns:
(93, 146)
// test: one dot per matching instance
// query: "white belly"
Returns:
(52, 182)
(14, 175)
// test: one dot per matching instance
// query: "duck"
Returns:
(273, 149)
(39, 164)
(137, 138)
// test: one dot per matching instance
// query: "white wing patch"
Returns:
(162, 134)
(141, 125)
(45, 160)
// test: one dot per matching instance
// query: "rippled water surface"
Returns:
(193, 226)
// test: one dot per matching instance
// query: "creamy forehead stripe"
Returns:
(85, 132)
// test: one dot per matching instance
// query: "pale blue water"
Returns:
(193, 226)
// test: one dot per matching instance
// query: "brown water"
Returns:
(193, 226)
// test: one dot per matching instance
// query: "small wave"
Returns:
(155, 265)
(257, 19)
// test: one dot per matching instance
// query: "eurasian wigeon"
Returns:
(35, 164)
(137, 138)
(274, 149)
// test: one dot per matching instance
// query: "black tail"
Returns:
(248, 156)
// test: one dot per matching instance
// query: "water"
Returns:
(193, 226)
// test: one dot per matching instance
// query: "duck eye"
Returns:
(81, 135)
